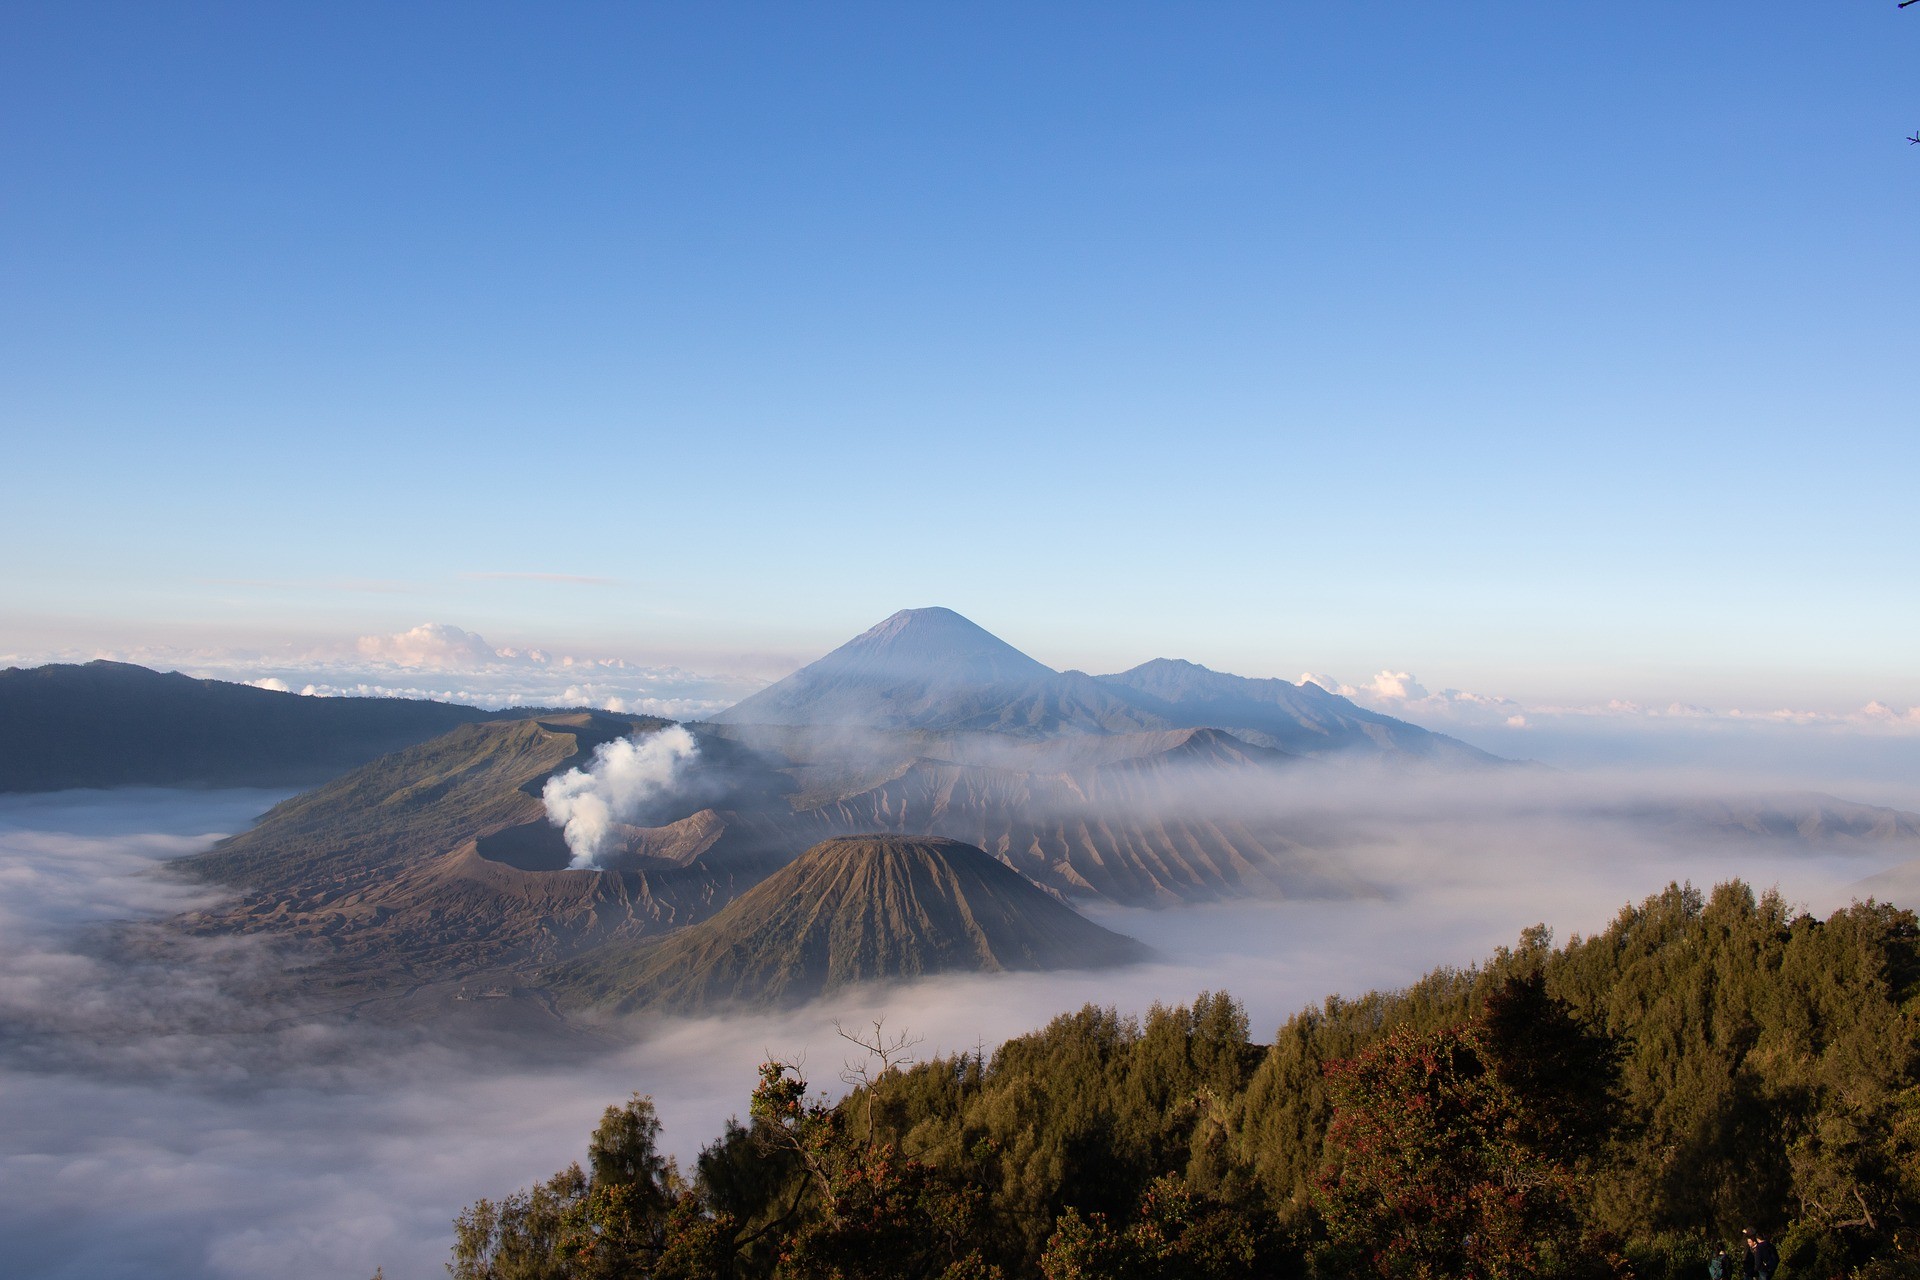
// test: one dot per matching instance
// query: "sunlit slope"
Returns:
(112, 724)
(853, 909)
(933, 669)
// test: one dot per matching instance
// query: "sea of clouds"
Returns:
(154, 1125)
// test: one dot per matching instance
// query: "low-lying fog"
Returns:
(153, 1126)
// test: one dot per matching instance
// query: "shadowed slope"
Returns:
(113, 724)
(852, 909)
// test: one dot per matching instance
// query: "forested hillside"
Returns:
(1614, 1106)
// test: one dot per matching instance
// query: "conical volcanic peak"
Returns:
(938, 640)
(931, 670)
(852, 909)
(916, 669)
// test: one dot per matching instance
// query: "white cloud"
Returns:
(434, 645)
(1394, 686)
(1398, 693)
(447, 663)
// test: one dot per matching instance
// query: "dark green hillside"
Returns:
(1610, 1108)
(848, 910)
(111, 724)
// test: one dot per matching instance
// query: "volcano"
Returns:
(933, 671)
(862, 908)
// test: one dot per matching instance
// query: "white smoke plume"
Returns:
(626, 777)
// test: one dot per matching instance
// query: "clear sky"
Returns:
(1561, 350)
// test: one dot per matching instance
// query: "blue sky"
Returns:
(1561, 351)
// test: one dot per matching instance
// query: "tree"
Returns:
(1458, 1152)
(609, 1223)
(1175, 1234)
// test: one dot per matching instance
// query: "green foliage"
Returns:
(624, 1219)
(1613, 1106)
(1175, 1234)
(1458, 1152)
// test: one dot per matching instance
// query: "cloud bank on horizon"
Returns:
(1399, 693)
(448, 664)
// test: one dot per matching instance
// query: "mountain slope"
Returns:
(391, 876)
(1302, 718)
(113, 724)
(853, 909)
(931, 670)
(1138, 819)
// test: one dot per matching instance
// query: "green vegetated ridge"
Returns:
(1610, 1107)
(113, 724)
(849, 910)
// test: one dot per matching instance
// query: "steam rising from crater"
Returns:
(626, 778)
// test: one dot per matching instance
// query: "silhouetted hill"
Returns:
(931, 670)
(113, 724)
(853, 909)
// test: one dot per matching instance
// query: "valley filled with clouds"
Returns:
(160, 1118)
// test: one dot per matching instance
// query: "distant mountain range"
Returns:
(113, 724)
(953, 796)
(852, 909)
(922, 671)
(438, 865)
(932, 670)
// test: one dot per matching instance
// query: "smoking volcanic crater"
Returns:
(573, 859)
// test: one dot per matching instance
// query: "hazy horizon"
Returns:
(1555, 355)
(1541, 376)
(1815, 743)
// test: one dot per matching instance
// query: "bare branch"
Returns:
(892, 1053)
